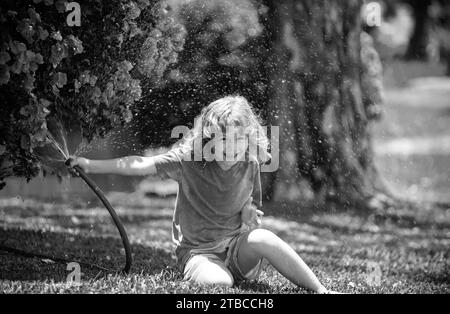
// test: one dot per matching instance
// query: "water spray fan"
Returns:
(77, 171)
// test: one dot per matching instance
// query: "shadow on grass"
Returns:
(87, 223)
(89, 251)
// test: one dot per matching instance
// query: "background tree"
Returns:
(326, 88)
(431, 29)
(420, 38)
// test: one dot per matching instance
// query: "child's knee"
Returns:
(263, 238)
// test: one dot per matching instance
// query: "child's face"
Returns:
(234, 145)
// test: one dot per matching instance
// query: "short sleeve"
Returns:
(169, 165)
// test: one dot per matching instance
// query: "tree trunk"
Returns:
(417, 47)
(316, 78)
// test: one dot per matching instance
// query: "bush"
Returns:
(88, 76)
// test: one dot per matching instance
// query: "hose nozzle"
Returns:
(68, 161)
(72, 170)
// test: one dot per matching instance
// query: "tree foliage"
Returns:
(88, 76)
(225, 51)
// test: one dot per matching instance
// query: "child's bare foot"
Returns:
(324, 290)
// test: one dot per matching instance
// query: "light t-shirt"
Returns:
(209, 200)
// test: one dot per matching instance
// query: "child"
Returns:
(219, 193)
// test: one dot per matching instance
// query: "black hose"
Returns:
(126, 243)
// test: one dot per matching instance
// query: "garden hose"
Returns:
(77, 171)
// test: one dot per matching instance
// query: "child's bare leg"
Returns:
(261, 243)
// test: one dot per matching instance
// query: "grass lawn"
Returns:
(406, 248)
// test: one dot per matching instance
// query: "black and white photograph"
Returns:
(224, 154)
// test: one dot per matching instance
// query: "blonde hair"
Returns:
(229, 111)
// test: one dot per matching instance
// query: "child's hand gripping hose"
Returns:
(77, 171)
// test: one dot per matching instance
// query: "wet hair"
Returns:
(229, 111)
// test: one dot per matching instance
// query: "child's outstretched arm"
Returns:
(130, 165)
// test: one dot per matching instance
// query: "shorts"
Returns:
(227, 259)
